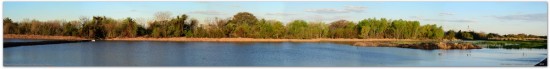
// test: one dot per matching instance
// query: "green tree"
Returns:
(364, 28)
(70, 29)
(466, 36)
(318, 30)
(179, 27)
(278, 29)
(244, 24)
(94, 29)
(241, 31)
(158, 29)
(398, 28)
(297, 29)
(142, 31)
(493, 35)
(240, 22)
(342, 29)
(244, 18)
(450, 34)
(379, 28)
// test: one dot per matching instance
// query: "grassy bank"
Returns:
(538, 44)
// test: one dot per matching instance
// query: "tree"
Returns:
(479, 35)
(71, 28)
(94, 29)
(110, 27)
(35, 27)
(466, 36)
(398, 28)
(129, 27)
(142, 31)
(176, 27)
(240, 23)
(163, 15)
(278, 29)
(431, 31)
(157, 29)
(364, 27)
(10, 27)
(413, 30)
(217, 28)
(243, 24)
(244, 18)
(180, 26)
(297, 29)
(493, 35)
(318, 29)
(342, 29)
(439, 33)
(83, 19)
(450, 34)
(379, 28)
(241, 31)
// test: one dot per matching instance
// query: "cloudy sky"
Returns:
(496, 17)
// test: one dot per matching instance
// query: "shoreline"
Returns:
(185, 39)
(425, 44)
(44, 37)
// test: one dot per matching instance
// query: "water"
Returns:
(149, 53)
(22, 40)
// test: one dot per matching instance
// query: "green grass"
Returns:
(539, 44)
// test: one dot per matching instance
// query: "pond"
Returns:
(151, 53)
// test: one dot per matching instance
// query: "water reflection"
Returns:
(146, 53)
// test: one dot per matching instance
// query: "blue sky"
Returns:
(496, 17)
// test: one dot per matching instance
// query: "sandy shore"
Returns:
(18, 36)
(252, 39)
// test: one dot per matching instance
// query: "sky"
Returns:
(489, 17)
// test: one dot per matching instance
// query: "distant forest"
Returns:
(245, 25)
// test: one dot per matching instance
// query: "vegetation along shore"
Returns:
(46, 37)
(244, 27)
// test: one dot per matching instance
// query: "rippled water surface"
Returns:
(149, 53)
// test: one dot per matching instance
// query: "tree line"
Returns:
(244, 25)
(471, 35)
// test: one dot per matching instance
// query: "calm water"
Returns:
(147, 53)
(22, 40)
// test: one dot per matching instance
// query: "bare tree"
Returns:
(83, 19)
(162, 15)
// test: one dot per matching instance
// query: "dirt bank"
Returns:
(46, 37)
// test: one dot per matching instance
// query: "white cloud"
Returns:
(347, 9)
(326, 18)
(326, 10)
(355, 8)
(446, 14)
(281, 14)
(537, 17)
(455, 20)
(443, 20)
(416, 17)
(208, 12)
(214, 4)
